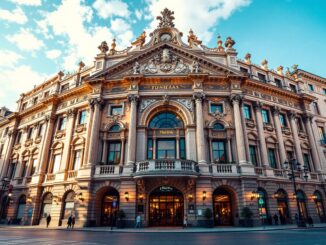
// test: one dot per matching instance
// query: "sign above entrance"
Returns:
(166, 188)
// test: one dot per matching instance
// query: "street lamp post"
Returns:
(292, 163)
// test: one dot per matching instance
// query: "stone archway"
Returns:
(223, 206)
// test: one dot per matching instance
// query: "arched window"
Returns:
(69, 205)
(166, 120)
(262, 204)
(282, 206)
(21, 207)
(319, 206)
(218, 126)
(47, 205)
(115, 128)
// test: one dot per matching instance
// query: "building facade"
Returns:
(165, 129)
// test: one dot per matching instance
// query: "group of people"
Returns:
(70, 223)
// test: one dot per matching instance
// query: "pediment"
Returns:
(166, 59)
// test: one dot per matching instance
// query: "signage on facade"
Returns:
(166, 132)
(166, 188)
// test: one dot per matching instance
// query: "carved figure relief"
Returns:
(187, 103)
(145, 103)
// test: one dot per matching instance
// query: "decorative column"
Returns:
(280, 140)
(95, 104)
(241, 151)
(133, 98)
(105, 152)
(200, 137)
(261, 135)
(5, 165)
(245, 135)
(229, 149)
(295, 136)
(315, 158)
(122, 157)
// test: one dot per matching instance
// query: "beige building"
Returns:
(166, 129)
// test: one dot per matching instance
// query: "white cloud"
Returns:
(25, 40)
(119, 25)
(9, 58)
(17, 15)
(109, 8)
(201, 16)
(28, 2)
(14, 81)
(138, 14)
(53, 54)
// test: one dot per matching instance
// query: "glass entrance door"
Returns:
(166, 207)
(222, 208)
(110, 207)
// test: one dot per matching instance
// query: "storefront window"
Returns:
(320, 206)
(21, 207)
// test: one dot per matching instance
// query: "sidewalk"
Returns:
(166, 229)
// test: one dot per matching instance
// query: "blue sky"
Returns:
(40, 37)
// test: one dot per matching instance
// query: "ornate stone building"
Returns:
(165, 129)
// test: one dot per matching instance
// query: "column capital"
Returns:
(258, 105)
(291, 115)
(307, 117)
(97, 101)
(275, 110)
(236, 98)
(199, 96)
(133, 98)
(71, 112)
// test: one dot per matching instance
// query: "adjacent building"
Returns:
(166, 130)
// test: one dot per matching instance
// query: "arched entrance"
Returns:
(222, 207)
(110, 207)
(263, 207)
(166, 207)
(301, 197)
(319, 206)
(283, 206)
(21, 207)
(46, 205)
(68, 205)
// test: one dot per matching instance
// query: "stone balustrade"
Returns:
(102, 171)
(224, 169)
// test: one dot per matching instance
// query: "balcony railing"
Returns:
(166, 166)
(225, 169)
(107, 170)
(72, 174)
(50, 177)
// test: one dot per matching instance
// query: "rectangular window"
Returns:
(116, 110)
(293, 88)
(82, 117)
(56, 163)
(62, 123)
(182, 146)
(149, 148)
(46, 94)
(24, 106)
(278, 82)
(272, 158)
(35, 100)
(299, 123)
(29, 133)
(253, 155)
(41, 130)
(315, 108)
(265, 116)
(322, 135)
(98, 65)
(34, 166)
(247, 112)
(77, 160)
(64, 87)
(216, 108)
(166, 149)
(311, 87)
(289, 155)
(24, 169)
(306, 162)
(324, 90)
(18, 137)
(12, 170)
(219, 151)
(244, 70)
(114, 152)
(261, 77)
(283, 120)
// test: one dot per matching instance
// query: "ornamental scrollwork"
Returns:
(199, 96)
(133, 98)
(187, 103)
(236, 98)
(145, 103)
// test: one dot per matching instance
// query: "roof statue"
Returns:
(219, 44)
(103, 47)
(166, 20)
(229, 43)
(248, 58)
(193, 39)
(280, 70)
(264, 64)
(113, 45)
(139, 42)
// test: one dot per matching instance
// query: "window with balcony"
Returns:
(262, 77)
(219, 151)
(82, 117)
(12, 170)
(247, 112)
(306, 161)
(24, 169)
(311, 87)
(216, 108)
(290, 155)
(278, 82)
(62, 123)
(56, 163)
(116, 110)
(293, 88)
(166, 149)
(77, 159)
(182, 148)
(253, 155)
(283, 120)
(114, 152)
(265, 116)
(272, 158)
(299, 124)
(150, 148)
(322, 135)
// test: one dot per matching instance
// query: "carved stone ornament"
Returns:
(187, 103)
(193, 39)
(199, 96)
(195, 68)
(166, 20)
(114, 118)
(236, 98)
(217, 115)
(103, 47)
(133, 97)
(95, 101)
(145, 103)
(136, 68)
(229, 43)
(140, 41)
(166, 99)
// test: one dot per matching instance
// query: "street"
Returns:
(279, 237)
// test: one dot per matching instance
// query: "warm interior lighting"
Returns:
(127, 195)
(204, 195)
(254, 195)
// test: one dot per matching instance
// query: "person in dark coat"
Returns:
(275, 219)
(69, 222)
(48, 220)
(73, 220)
(310, 222)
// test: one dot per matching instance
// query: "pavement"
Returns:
(167, 229)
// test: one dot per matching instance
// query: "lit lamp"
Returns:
(9, 194)
(29, 200)
(275, 195)
(127, 196)
(80, 196)
(254, 195)
(204, 195)
(141, 197)
(314, 197)
(190, 197)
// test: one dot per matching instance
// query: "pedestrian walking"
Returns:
(138, 221)
(69, 222)
(275, 219)
(296, 217)
(185, 222)
(310, 221)
(48, 220)
(73, 220)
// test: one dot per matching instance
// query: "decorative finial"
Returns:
(166, 20)
(219, 43)
(295, 67)
(288, 73)
(193, 39)
(229, 43)
(103, 47)
(81, 65)
(264, 64)
(60, 74)
(280, 70)
(113, 45)
(247, 58)
(139, 42)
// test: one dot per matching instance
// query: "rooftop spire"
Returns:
(166, 20)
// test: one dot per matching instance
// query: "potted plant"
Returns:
(120, 219)
(208, 214)
(246, 215)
